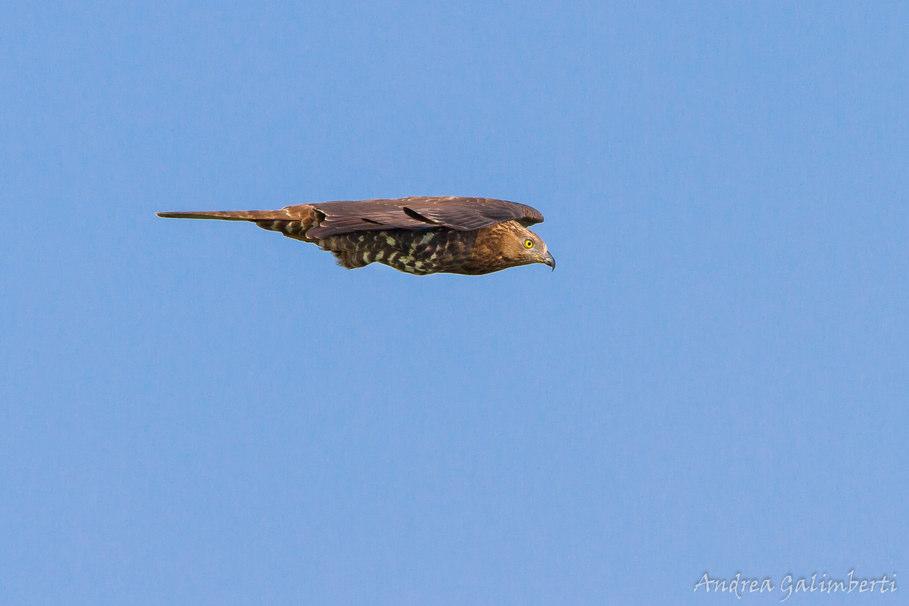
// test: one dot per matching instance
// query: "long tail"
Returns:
(232, 215)
(292, 221)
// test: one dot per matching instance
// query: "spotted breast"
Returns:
(415, 252)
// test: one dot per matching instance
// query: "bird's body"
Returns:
(417, 235)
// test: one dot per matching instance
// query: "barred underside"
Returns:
(416, 252)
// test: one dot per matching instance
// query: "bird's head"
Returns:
(520, 246)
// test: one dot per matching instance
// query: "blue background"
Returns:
(714, 378)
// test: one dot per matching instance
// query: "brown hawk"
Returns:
(418, 235)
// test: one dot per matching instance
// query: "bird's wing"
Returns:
(418, 213)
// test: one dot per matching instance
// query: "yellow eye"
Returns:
(528, 243)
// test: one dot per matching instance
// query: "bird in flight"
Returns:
(417, 235)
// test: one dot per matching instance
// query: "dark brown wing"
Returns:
(418, 213)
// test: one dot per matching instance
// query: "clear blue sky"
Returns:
(715, 378)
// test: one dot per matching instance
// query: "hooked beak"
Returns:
(549, 260)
